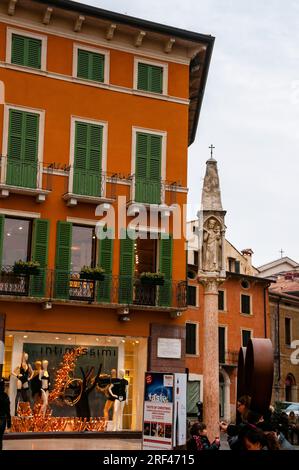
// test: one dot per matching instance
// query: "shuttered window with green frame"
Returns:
(90, 65)
(88, 159)
(105, 258)
(40, 239)
(126, 268)
(150, 78)
(63, 260)
(26, 51)
(165, 267)
(22, 152)
(148, 168)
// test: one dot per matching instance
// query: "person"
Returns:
(212, 242)
(119, 390)
(199, 440)
(253, 438)
(233, 430)
(293, 425)
(24, 374)
(5, 418)
(36, 383)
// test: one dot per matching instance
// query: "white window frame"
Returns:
(29, 34)
(196, 323)
(104, 124)
(103, 52)
(163, 134)
(224, 301)
(41, 131)
(246, 329)
(196, 296)
(251, 311)
(163, 65)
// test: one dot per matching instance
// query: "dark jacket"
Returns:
(198, 443)
(5, 408)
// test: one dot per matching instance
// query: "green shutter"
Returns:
(90, 65)
(88, 159)
(165, 266)
(40, 253)
(2, 221)
(126, 267)
(63, 260)
(150, 78)
(26, 51)
(22, 149)
(148, 168)
(105, 250)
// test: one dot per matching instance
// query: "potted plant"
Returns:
(94, 274)
(153, 279)
(29, 268)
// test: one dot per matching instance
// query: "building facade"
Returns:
(243, 313)
(97, 110)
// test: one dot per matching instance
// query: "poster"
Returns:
(180, 410)
(158, 411)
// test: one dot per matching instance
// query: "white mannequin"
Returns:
(45, 380)
(119, 390)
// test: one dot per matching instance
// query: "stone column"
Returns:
(211, 359)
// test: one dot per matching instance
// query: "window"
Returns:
(90, 65)
(191, 295)
(221, 344)
(148, 168)
(245, 304)
(287, 328)
(16, 241)
(83, 247)
(195, 253)
(150, 78)
(246, 335)
(88, 151)
(191, 338)
(22, 150)
(26, 51)
(237, 267)
(193, 397)
(221, 300)
(231, 265)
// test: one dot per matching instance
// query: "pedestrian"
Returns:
(5, 419)
(293, 430)
(199, 439)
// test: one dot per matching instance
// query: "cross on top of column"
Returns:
(211, 148)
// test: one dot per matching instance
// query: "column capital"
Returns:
(210, 283)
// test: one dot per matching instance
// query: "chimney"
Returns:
(247, 253)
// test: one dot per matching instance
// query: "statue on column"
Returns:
(212, 246)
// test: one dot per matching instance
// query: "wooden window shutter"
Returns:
(22, 149)
(63, 259)
(150, 78)
(156, 79)
(148, 168)
(26, 51)
(125, 294)
(90, 65)
(88, 159)
(105, 257)
(40, 253)
(165, 267)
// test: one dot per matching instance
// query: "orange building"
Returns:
(243, 305)
(97, 110)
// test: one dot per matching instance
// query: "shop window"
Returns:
(83, 248)
(191, 296)
(221, 300)
(245, 304)
(191, 338)
(246, 335)
(16, 241)
(221, 344)
(287, 329)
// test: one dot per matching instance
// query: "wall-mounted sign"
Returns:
(170, 348)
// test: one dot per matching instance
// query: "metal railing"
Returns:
(151, 191)
(91, 183)
(229, 357)
(69, 286)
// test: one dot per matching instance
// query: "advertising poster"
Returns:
(180, 410)
(158, 411)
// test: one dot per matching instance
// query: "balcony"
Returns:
(228, 358)
(146, 191)
(89, 186)
(113, 291)
(22, 177)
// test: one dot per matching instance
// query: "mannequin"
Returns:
(119, 390)
(110, 399)
(24, 374)
(36, 383)
(45, 384)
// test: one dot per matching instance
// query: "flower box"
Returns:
(28, 268)
(152, 279)
(92, 274)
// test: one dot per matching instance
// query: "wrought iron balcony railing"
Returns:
(153, 191)
(69, 286)
(23, 174)
(229, 358)
(96, 184)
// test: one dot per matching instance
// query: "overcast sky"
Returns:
(250, 113)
